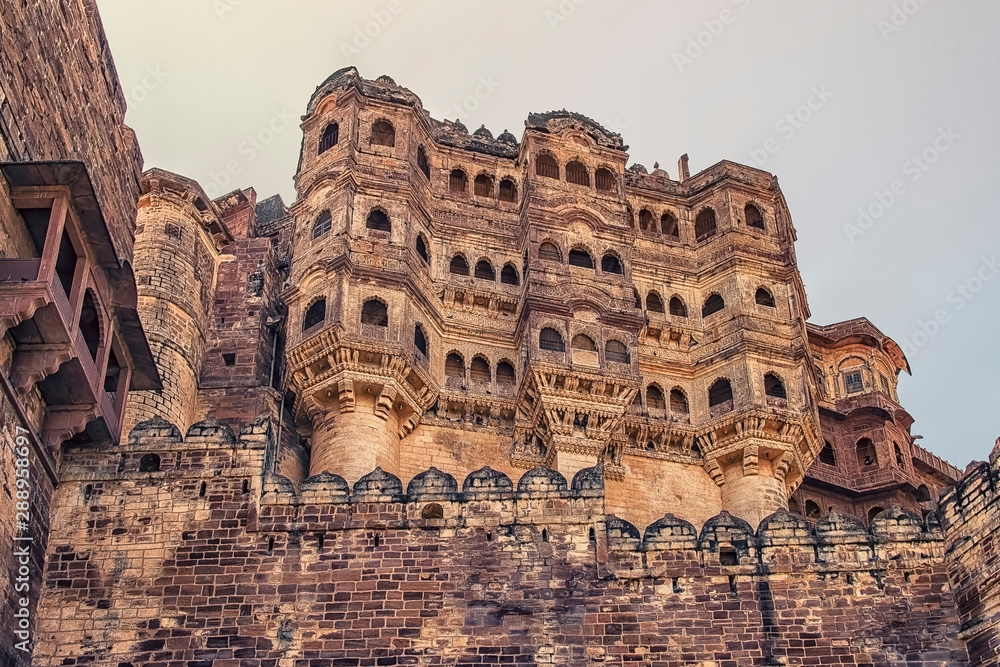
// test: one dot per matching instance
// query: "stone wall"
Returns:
(209, 561)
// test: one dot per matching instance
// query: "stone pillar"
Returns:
(356, 437)
(752, 492)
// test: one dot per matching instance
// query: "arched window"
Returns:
(483, 186)
(374, 312)
(479, 371)
(149, 463)
(611, 264)
(646, 221)
(505, 374)
(549, 252)
(322, 225)
(677, 307)
(654, 398)
(508, 190)
(454, 366)
(546, 166)
(584, 342)
(704, 224)
(713, 304)
(923, 494)
(638, 299)
(900, 462)
(315, 315)
(669, 226)
(867, 454)
(422, 163)
(331, 135)
(773, 386)
(378, 220)
(616, 352)
(720, 394)
(484, 271)
(678, 402)
(458, 266)
(383, 134)
(419, 340)
(812, 509)
(422, 249)
(874, 512)
(763, 298)
(90, 324)
(753, 217)
(604, 180)
(577, 174)
(581, 258)
(551, 340)
(508, 275)
(432, 511)
(827, 455)
(457, 181)
(654, 303)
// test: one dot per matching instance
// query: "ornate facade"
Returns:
(416, 416)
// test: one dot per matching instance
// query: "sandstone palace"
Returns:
(470, 399)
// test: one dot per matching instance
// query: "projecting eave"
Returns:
(857, 331)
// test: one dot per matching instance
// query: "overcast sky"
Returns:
(883, 106)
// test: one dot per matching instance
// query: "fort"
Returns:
(468, 400)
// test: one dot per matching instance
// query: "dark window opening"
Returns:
(432, 511)
(604, 180)
(422, 250)
(112, 375)
(713, 304)
(479, 370)
(773, 386)
(419, 340)
(923, 494)
(374, 312)
(584, 342)
(551, 340)
(508, 190)
(677, 307)
(728, 556)
(827, 455)
(669, 227)
(505, 373)
(90, 324)
(378, 221)
(454, 366)
(720, 392)
(646, 221)
(615, 351)
(654, 398)
(611, 264)
(867, 454)
(654, 303)
(483, 186)
(753, 217)
(315, 315)
(577, 174)
(457, 180)
(66, 263)
(484, 271)
(458, 266)
(549, 252)
(812, 509)
(547, 167)
(899, 455)
(422, 164)
(874, 512)
(229, 358)
(383, 134)
(149, 463)
(764, 298)
(202, 490)
(331, 135)
(704, 224)
(508, 275)
(322, 225)
(580, 258)
(678, 402)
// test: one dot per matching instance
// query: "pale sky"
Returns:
(884, 106)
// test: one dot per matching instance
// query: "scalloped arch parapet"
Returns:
(542, 480)
(378, 484)
(896, 523)
(326, 486)
(211, 428)
(836, 523)
(671, 530)
(620, 529)
(487, 480)
(589, 480)
(157, 427)
(783, 526)
(432, 482)
(724, 527)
